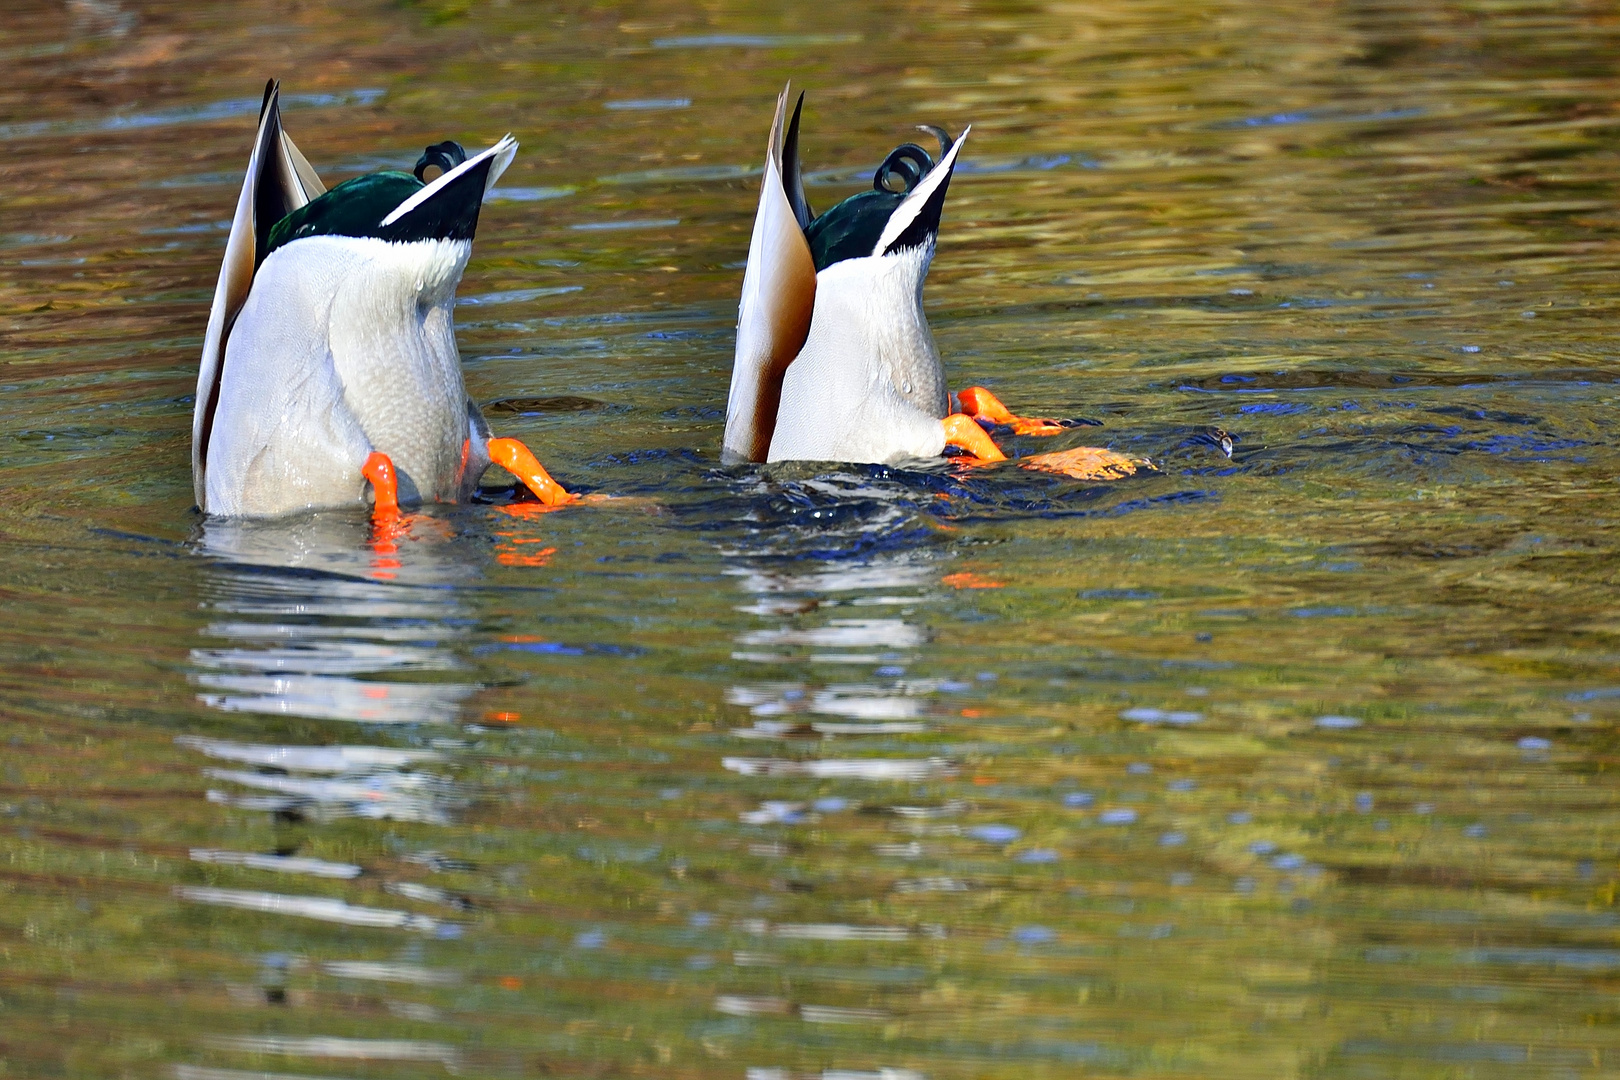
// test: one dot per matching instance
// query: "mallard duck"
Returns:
(330, 363)
(834, 360)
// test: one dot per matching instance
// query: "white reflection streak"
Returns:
(317, 657)
(825, 931)
(384, 972)
(320, 697)
(777, 729)
(891, 728)
(327, 759)
(932, 884)
(283, 864)
(371, 787)
(320, 908)
(834, 1014)
(269, 804)
(856, 701)
(333, 1047)
(379, 795)
(428, 633)
(842, 633)
(198, 1072)
(843, 769)
(425, 894)
(866, 706)
(734, 1005)
(840, 578)
(926, 813)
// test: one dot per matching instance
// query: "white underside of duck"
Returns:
(868, 385)
(834, 359)
(344, 346)
(329, 375)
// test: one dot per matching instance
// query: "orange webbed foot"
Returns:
(379, 469)
(981, 404)
(963, 431)
(515, 458)
(387, 524)
(1086, 463)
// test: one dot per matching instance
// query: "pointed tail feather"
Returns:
(279, 180)
(298, 165)
(792, 175)
(773, 320)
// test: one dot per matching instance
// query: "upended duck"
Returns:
(330, 363)
(835, 360)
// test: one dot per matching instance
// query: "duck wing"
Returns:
(279, 180)
(778, 299)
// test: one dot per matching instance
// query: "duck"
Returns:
(834, 357)
(329, 374)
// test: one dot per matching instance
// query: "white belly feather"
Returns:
(344, 346)
(868, 386)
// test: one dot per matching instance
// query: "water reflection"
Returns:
(800, 604)
(1289, 759)
(327, 616)
(322, 618)
(326, 612)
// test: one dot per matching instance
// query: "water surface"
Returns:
(1288, 762)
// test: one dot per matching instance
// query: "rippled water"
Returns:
(1288, 763)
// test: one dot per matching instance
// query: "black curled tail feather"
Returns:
(445, 156)
(906, 164)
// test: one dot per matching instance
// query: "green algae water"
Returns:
(1290, 759)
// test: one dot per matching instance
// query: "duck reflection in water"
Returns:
(880, 633)
(316, 609)
(840, 614)
(319, 617)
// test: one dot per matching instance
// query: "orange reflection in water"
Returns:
(966, 579)
(506, 556)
